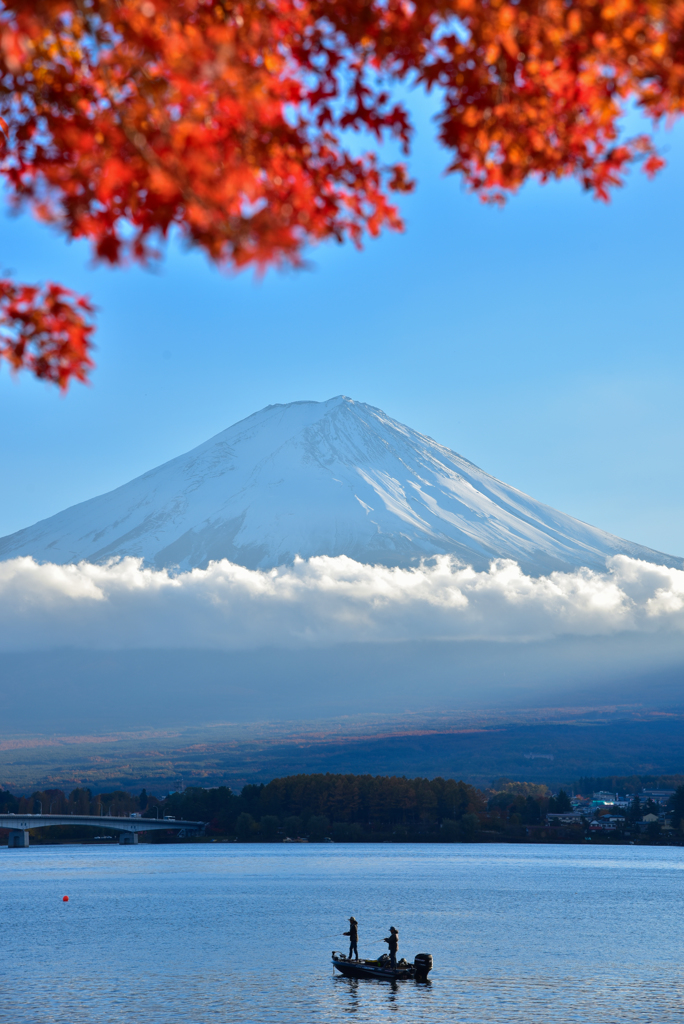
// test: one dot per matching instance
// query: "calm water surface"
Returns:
(223, 934)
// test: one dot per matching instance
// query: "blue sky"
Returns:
(542, 341)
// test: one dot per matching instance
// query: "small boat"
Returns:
(382, 970)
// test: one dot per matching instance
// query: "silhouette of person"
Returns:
(393, 942)
(353, 934)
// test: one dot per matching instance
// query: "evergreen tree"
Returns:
(319, 827)
(563, 802)
(293, 827)
(244, 826)
(269, 828)
(8, 803)
(531, 812)
(677, 805)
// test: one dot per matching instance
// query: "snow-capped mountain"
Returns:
(319, 478)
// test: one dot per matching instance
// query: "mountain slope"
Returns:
(312, 478)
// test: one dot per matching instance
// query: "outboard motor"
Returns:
(422, 965)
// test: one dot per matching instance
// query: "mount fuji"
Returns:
(320, 478)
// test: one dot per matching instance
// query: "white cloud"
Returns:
(324, 601)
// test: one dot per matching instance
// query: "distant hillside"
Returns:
(600, 745)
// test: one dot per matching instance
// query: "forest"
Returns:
(343, 808)
(348, 807)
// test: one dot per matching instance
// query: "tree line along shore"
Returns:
(365, 808)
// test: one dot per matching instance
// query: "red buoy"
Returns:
(65, 899)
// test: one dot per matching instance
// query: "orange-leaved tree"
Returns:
(229, 122)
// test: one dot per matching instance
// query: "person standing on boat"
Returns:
(353, 934)
(393, 943)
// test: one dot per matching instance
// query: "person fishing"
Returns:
(393, 943)
(353, 934)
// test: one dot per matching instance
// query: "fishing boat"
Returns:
(382, 970)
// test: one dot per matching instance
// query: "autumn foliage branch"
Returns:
(229, 121)
(46, 330)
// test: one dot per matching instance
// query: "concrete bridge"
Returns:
(128, 828)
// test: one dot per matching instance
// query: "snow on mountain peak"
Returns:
(320, 478)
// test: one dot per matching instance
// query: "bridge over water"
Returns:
(128, 828)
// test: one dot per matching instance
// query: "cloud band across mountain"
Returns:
(325, 601)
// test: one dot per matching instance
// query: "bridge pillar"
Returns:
(125, 838)
(18, 837)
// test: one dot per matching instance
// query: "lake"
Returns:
(227, 933)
